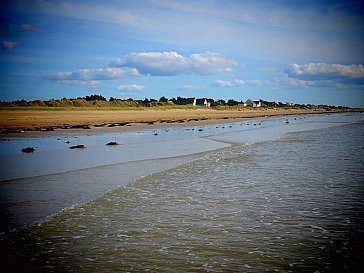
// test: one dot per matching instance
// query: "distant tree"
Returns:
(232, 102)
(94, 97)
(180, 101)
(163, 99)
(212, 102)
(221, 102)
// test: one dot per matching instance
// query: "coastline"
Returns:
(35, 123)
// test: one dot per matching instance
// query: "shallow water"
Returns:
(290, 205)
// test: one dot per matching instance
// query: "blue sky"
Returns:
(288, 51)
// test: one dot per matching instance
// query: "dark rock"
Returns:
(28, 150)
(79, 146)
(112, 143)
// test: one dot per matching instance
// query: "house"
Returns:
(202, 102)
(190, 101)
(250, 103)
(258, 103)
(269, 103)
(198, 102)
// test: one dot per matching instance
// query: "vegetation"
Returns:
(94, 102)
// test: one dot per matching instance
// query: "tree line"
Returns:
(101, 101)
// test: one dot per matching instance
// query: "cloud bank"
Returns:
(350, 74)
(91, 77)
(172, 63)
(93, 74)
(130, 88)
(147, 64)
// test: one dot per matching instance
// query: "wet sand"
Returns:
(105, 120)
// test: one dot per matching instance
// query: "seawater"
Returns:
(290, 205)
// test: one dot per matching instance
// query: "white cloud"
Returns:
(351, 74)
(90, 77)
(90, 84)
(130, 88)
(249, 82)
(172, 63)
(7, 45)
(189, 87)
(93, 74)
(291, 82)
(223, 84)
(237, 83)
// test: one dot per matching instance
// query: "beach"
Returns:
(106, 120)
(189, 196)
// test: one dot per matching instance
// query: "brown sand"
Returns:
(16, 121)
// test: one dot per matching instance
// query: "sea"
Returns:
(270, 195)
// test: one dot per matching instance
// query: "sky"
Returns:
(308, 52)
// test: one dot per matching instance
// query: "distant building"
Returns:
(241, 103)
(202, 102)
(251, 103)
(269, 103)
(191, 101)
(258, 103)
(198, 102)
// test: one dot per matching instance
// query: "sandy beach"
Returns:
(35, 121)
(103, 196)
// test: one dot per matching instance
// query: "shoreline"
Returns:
(42, 123)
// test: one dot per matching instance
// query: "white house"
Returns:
(202, 102)
(198, 102)
(251, 103)
(258, 103)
